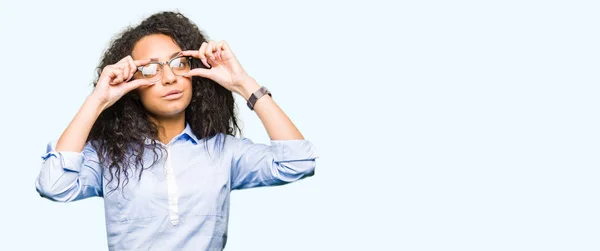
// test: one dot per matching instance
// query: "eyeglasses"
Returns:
(153, 71)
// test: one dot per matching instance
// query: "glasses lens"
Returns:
(151, 72)
(180, 66)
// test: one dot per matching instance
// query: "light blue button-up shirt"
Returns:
(182, 201)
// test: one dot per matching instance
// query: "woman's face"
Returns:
(171, 94)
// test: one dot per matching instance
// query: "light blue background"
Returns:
(441, 125)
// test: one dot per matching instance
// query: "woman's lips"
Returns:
(175, 94)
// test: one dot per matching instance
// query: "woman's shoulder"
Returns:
(225, 139)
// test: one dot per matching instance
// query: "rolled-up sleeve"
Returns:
(69, 176)
(282, 162)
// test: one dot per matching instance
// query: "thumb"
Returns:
(136, 83)
(200, 72)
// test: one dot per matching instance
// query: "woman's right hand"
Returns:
(114, 82)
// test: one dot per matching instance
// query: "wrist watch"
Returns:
(256, 95)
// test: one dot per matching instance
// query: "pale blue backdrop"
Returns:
(441, 125)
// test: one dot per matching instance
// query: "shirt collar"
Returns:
(185, 134)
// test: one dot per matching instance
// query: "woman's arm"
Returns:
(276, 122)
(75, 135)
(111, 86)
(226, 70)
(69, 176)
(70, 169)
(289, 157)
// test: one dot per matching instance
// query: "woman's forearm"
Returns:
(276, 122)
(74, 137)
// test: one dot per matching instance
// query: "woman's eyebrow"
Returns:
(175, 54)
(170, 57)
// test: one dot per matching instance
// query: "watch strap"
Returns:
(256, 95)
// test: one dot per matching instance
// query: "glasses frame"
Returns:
(162, 65)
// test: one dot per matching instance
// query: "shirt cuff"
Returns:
(71, 161)
(293, 150)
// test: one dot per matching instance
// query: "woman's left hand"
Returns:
(224, 68)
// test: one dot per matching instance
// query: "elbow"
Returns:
(51, 192)
(310, 171)
(294, 159)
(43, 191)
(297, 170)
(54, 182)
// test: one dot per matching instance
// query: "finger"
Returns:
(123, 60)
(217, 56)
(201, 54)
(224, 46)
(190, 53)
(122, 66)
(210, 50)
(112, 73)
(226, 50)
(117, 73)
(130, 66)
(141, 62)
(219, 50)
(132, 69)
(123, 74)
(198, 54)
(126, 74)
(200, 72)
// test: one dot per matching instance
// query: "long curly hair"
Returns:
(120, 132)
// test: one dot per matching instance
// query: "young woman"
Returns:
(156, 139)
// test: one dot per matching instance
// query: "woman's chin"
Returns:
(168, 113)
(169, 109)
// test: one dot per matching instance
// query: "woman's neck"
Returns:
(169, 127)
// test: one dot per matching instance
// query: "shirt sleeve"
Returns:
(282, 162)
(69, 176)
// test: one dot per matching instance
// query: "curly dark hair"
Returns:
(120, 131)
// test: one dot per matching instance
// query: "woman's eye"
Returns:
(150, 69)
(179, 63)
